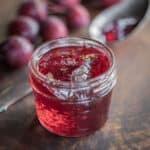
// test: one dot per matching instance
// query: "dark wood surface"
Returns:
(128, 127)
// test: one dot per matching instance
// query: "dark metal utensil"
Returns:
(127, 8)
(14, 90)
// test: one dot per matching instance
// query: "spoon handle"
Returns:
(14, 91)
(8, 96)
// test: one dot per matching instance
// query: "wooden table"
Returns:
(128, 127)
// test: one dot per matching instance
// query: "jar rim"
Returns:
(44, 78)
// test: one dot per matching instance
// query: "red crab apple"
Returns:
(16, 51)
(24, 26)
(67, 3)
(108, 3)
(36, 9)
(77, 16)
(53, 28)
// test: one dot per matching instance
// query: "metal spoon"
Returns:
(127, 8)
(8, 95)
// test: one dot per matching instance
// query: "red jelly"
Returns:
(118, 29)
(72, 80)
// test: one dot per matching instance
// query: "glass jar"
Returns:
(86, 109)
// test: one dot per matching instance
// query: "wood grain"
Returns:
(128, 127)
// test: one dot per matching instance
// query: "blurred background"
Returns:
(38, 21)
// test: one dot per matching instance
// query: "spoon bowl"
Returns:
(127, 8)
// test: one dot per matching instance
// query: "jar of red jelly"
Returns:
(72, 80)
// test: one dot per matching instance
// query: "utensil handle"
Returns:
(13, 94)
(14, 88)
